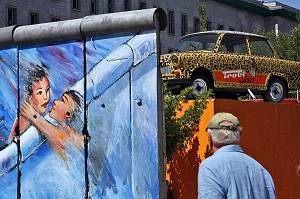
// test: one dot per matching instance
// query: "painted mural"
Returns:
(54, 87)
(8, 107)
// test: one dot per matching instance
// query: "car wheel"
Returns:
(200, 83)
(276, 91)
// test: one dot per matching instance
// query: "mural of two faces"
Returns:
(105, 83)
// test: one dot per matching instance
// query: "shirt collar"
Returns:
(230, 148)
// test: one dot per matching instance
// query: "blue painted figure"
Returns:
(38, 91)
(64, 111)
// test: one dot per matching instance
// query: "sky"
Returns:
(292, 3)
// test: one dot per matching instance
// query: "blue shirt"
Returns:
(232, 174)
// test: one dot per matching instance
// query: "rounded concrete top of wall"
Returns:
(6, 36)
(131, 21)
(47, 32)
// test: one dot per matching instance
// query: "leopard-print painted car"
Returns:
(230, 61)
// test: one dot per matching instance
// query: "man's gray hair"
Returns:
(221, 137)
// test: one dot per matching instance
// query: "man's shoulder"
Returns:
(213, 161)
(232, 158)
(228, 156)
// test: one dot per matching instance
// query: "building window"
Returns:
(11, 16)
(171, 23)
(93, 7)
(220, 27)
(127, 5)
(208, 26)
(111, 6)
(184, 24)
(196, 25)
(34, 18)
(76, 4)
(142, 5)
(54, 19)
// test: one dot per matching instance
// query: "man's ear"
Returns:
(210, 140)
(69, 114)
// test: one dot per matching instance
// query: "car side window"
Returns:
(260, 47)
(233, 43)
(223, 49)
(240, 48)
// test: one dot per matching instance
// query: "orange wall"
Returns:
(270, 134)
(182, 171)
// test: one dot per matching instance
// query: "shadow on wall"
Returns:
(182, 171)
(182, 181)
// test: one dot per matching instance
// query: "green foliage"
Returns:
(179, 130)
(287, 46)
(298, 18)
(202, 13)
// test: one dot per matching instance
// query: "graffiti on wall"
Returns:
(51, 92)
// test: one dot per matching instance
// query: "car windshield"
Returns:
(198, 42)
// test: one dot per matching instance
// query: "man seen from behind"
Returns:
(230, 173)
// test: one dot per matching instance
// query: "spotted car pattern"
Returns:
(261, 68)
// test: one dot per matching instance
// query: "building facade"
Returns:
(183, 16)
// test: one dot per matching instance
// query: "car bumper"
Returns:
(176, 83)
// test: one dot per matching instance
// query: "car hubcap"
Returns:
(276, 91)
(199, 85)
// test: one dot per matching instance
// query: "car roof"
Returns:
(225, 32)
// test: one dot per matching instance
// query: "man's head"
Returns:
(67, 108)
(38, 88)
(224, 129)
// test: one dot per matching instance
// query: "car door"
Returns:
(235, 71)
(263, 57)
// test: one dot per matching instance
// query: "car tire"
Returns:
(276, 91)
(199, 83)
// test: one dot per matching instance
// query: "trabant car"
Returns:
(230, 62)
